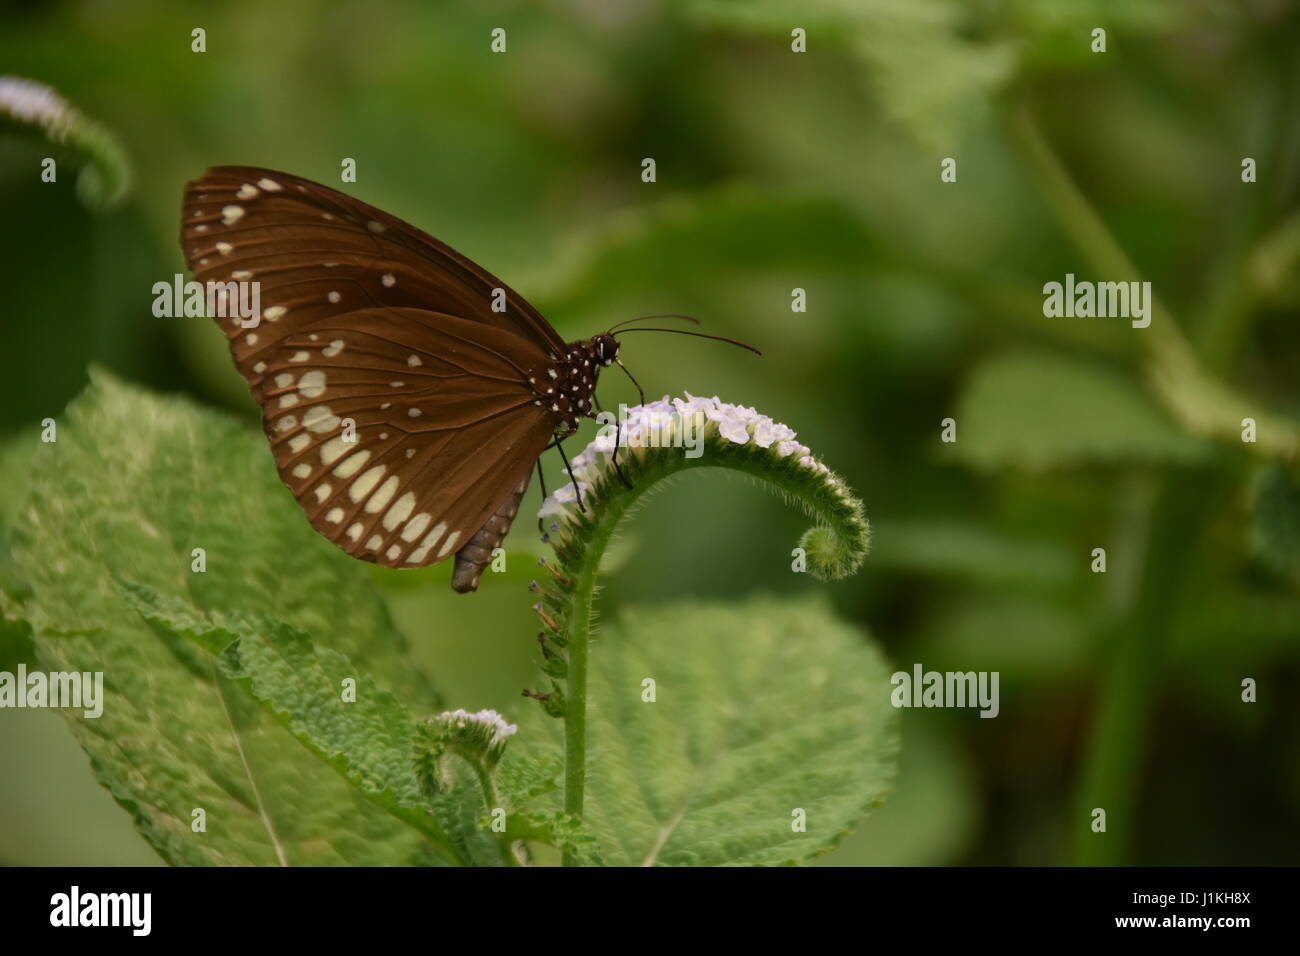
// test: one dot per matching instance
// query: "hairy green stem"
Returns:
(835, 546)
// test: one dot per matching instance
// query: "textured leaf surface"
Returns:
(1040, 411)
(760, 709)
(369, 739)
(133, 484)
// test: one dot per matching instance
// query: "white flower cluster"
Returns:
(485, 720)
(662, 424)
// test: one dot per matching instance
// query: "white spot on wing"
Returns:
(352, 465)
(388, 279)
(333, 450)
(322, 492)
(298, 442)
(449, 544)
(247, 192)
(319, 418)
(415, 527)
(374, 543)
(354, 531)
(380, 499)
(333, 349)
(231, 214)
(273, 313)
(413, 360)
(335, 515)
(312, 384)
(400, 511)
(270, 185)
(366, 483)
(302, 471)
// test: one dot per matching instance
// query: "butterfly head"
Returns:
(605, 349)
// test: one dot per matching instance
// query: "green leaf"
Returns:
(1039, 410)
(760, 710)
(15, 463)
(369, 739)
(973, 551)
(1058, 34)
(933, 813)
(738, 230)
(133, 484)
(1275, 527)
(926, 73)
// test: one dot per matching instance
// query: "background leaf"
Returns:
(1040, 410)
(132, 485)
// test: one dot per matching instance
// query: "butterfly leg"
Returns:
(541, 479)
(569, 468)
(617, 441)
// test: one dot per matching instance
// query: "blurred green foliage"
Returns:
(779, 170)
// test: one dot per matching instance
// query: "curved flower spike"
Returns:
(658, 440)
(662, 437)
(27, 103)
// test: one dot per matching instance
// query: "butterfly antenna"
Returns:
(661, 315)
(698, 335)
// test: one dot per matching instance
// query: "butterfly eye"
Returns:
(606, 349)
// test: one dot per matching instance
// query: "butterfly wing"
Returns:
(445, 429)
(316, 252)
(373, 331)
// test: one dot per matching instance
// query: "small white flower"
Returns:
(732, 427)
(487, 719)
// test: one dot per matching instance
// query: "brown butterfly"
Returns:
(407, 393)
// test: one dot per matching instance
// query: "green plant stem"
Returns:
(492, 800)
(579, 646)
(1158, 551)
(1201, 403)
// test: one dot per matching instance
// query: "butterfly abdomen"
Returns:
(477, 553)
